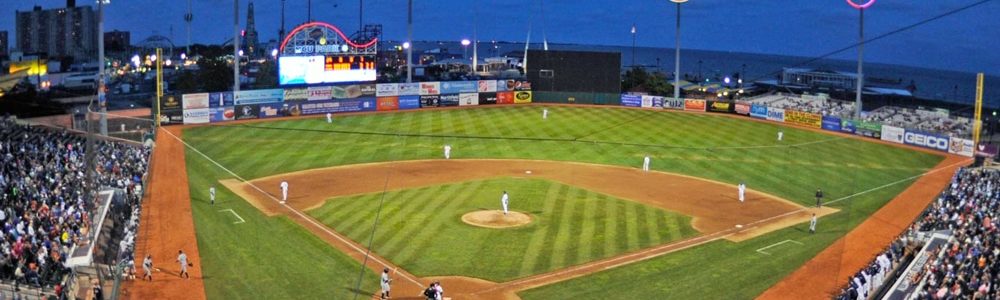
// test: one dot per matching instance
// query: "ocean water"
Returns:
(944, 85)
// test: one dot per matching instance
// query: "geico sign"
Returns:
(926, 140)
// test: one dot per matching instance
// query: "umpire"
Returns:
(819, 197)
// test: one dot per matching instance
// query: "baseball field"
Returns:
(375, 190)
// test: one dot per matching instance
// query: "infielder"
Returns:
(447, 151)
(147, 267)
(645, 163)
(211, 194)
(284, 191)
(545, 113)
(743, 189)
(812, 224)
(504, 200)
(819, 197)
(183, 259)
(329, 118)
(385, 283)
(781, 134)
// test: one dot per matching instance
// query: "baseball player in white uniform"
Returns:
(211, 194)
(504, 200)
(329, 118)
(645, 163)
(781, 134)
(812, 224)
(183, 259)
(447, 151)
(284, 191)
(147, 267)
(743, 189)
(545, 113)
(385, 283)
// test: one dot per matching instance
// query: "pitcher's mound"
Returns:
(496, 219)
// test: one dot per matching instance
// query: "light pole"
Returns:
(677, 52)
(633, 45)
(101, 97)
(465, 47)
(861, 49)
(409, 41)
(236, 46)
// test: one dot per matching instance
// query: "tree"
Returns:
(267, 76)
(187, 82)
(216, 75)
(654, 84)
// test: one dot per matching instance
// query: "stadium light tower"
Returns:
(465, 46)
(677, 52)
(861, 49)
(101, 97)
(409, 40)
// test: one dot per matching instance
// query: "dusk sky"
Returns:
(966, 41)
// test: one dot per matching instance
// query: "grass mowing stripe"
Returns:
(539, 237)
(421, 238)
(422, 203)
(585, 251)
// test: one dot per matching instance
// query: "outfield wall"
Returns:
(875, 130)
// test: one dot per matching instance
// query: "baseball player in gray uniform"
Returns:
(183, 259)
(147, 267)
(385, 283)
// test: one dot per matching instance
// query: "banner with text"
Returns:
(742, 107)
(487, 98)
(758, 111)
(409, 89)
(894, 134)
(961, 147)
(430, 88)
(467, 99)
(673, 103)
(925, 139)
(776, 114)
(803, 118)
(258, 96)
(694, 104)
(631, 100)
(831, 123)
(720, 106)
(387, 103)
(409, 102)
(505, 97)
(521, 97)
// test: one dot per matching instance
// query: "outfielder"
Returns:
(385, 283)
(447, 151)
(211, 194)
(147, 267)
(284, 191)
(504, 200)
(183, 259)
(545, 113)
(812, 224)
(781, 134)
(645, 163)
(329, 118)
(743, 189)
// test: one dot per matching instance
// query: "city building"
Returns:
(4, 46)
(818, 78)
(117, 41)
(58, 32)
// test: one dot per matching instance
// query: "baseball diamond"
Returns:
(373, 188)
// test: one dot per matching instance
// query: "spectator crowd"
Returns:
(45, 205)
(967, 266)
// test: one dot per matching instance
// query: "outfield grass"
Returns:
(421, 229)
(701, 145)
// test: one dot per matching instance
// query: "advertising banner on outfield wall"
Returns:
(505, 97)
(336, 106)
(171, 116)
(245, 112)
(458, 87)
(193, 101)
(487, 86)
(758, 111)
(869, 129)
(430, 88)
(694, 104)
(315, 93)
(631, 100)
(220, 99)
(351, 91)
(221, 114)
(449, 100)
(658, 101)
(409, 102)
(673, 103)
(196, 115)
(409, 89)
(487, 98)
(430, 100)
(170, 102)
(367, 90)
(271, 110)
(831, 123)
(961, 147)
(804, 118)
(776, 114)
(720, 106)
(521, 97)
(386, 89)
(296, 94)
(987, 150)
(925, 139)
(258, 96)
(847, 125)
(518, 85)
(387, 103)
(894, 134)
(647, 101)
(742, 107)
(467, 99)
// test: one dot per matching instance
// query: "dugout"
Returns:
(575, 76)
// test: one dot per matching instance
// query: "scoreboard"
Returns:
(329, 68)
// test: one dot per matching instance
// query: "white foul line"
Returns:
(761, 250)
(300, 214)
(237, 216)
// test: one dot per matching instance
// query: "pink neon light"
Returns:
(860, 6)
(335, 29)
